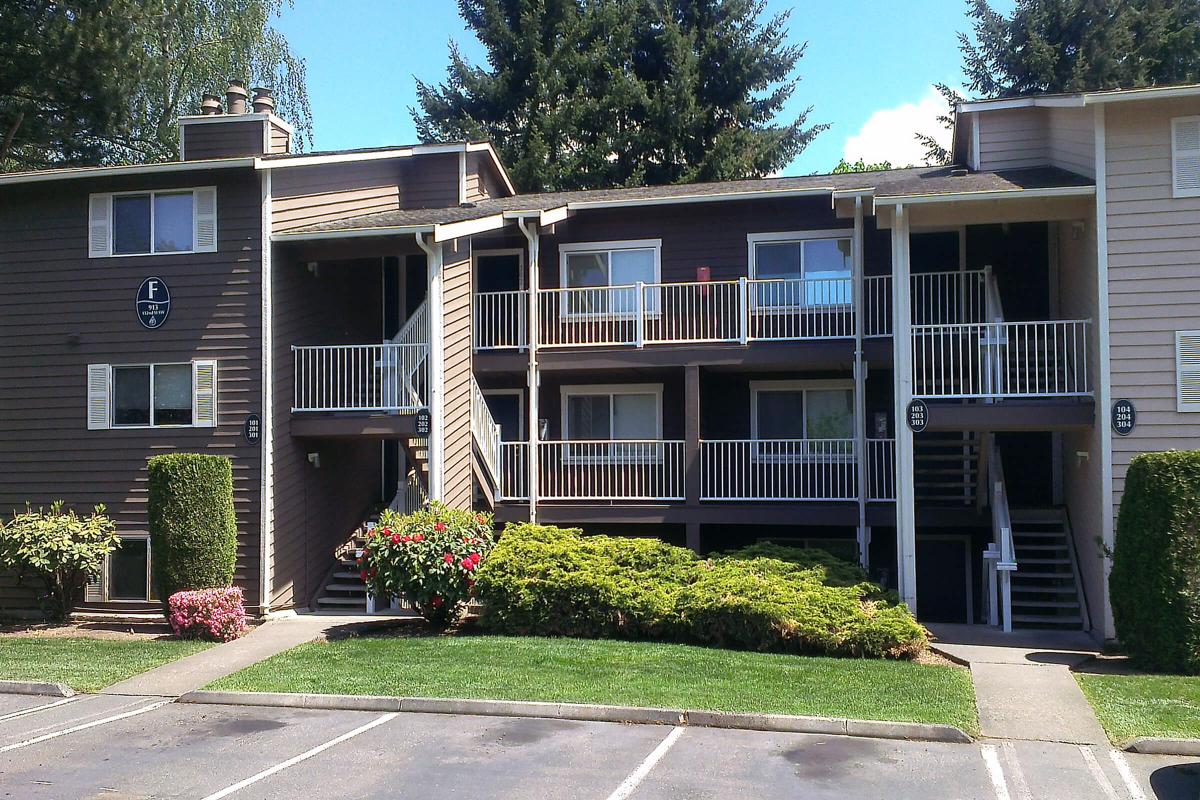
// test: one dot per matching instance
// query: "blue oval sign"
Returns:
(153, 303)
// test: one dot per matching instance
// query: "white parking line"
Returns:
(1093, 766)
(266, 773)
(36, 709)
(83, 727)
(638, 775)
(991, 759)
(1131, 781)
(1018, 777)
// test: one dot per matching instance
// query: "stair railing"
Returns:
(414, 377)
(1000, 559)
(486, 433)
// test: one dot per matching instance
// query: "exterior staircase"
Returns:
(1046, 591)
(344, 589)
(946, 468)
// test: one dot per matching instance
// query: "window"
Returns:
(144, 223)
(129, 570)
(613, 413)
(152, 395)
(1185, 156)
(801, 412)
(600, 265)
(822, 259)
(1187, 370)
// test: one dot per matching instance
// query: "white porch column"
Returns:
(906, 522)
(533, 237)
(860, 381)
(437, 370)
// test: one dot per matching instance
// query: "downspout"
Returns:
(437, 370)
(533, 237)
(860, 382)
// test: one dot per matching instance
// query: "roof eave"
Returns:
(989, 194)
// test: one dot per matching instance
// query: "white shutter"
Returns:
(204, 394)
(93, 590)
(1187, 370)
(99, 226)
(99, 415)
(205, 232)
(1185, 156)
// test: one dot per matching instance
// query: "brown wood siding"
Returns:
(1153, 277)
(53, 293)
(322, 192)
(281, 140)
(429, 181)
(1012, 138)
(456, 313)
(693, 235)
(483, 181)
(316, 509)
(223, 140)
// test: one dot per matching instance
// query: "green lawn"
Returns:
(618, 673)
(1145, 705)
(86, 665)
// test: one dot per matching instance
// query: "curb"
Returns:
(36, 687)
(778, 723)
(1164, 747)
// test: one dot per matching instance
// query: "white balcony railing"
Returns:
(611, 470)
(360, 377)
(514, 471)
(880, 463)
(778, 469)
(993, 360)
(937, 298)
(500, 321)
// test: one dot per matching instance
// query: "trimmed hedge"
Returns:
(542, 580)
(1155, 578)
(193, 531)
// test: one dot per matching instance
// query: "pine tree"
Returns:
(602, 93)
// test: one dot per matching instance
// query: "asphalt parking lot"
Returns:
(119, 748)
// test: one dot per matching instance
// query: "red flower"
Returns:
(439, 526)
(436, 601)
(475, 557)
(387, 531)
(363, 575)
(373, 573)
(481, 519)
(420, 537)
(467, 563)
(405, 539)
(395, 538)
(372, 533)
(449, 557)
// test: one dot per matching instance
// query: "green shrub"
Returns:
(1155, 578)
(59, 548)
(193, 531)
(429, 556)
(838, 572)
(548, 581)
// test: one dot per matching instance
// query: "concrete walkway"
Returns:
(268, 639)
(1023, 683)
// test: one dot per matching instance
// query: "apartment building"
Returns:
(940, 372)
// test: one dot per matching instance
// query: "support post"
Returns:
(743, 310)
(906, 523)
(691, 439)
(437, 370)
(533, 239)
(860, 382)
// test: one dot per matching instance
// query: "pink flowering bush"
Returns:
(429, 556)
(218, 615)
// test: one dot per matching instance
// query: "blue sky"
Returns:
(868, 69)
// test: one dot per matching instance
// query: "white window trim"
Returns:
(151, 193)
(503, 251)
(1175, 191)
(107, 577)
(521, 415)
(804, 386)
(611, 389)
(112, 410)
(755, 239)
(574, 248)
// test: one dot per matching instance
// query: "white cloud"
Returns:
(889, 134)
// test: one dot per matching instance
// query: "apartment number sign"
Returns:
(153, 303)
(424, 422)
(918, 415)
(1124, 417)
(252, 430)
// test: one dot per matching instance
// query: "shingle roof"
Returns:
(887, 183)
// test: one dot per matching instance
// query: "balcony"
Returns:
(743, 470)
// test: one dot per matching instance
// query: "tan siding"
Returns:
(483, 181)
(1012, 139)
(308, 195)
(46, 451)
(316, 508)
(1071, 140)
(1154, 277)
(429, 181)
(221, 140)
(456, 298)
(281, 140)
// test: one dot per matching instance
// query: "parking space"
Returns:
(101, 746)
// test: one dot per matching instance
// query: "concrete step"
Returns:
(345, 575)
(1043, 589)
(1045, 603)
(341, 601)
(346, 587)
(1040, 619)
(1039, 576)
(1024, 561)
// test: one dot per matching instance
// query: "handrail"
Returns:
(486, 432)
(1002, 553)
(416, 332)
(357, 377)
